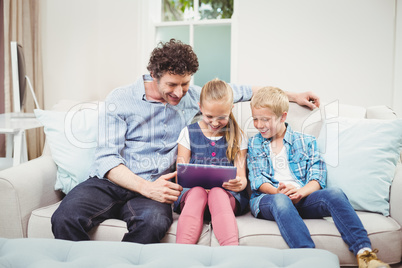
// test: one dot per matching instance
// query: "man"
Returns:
(131, 176)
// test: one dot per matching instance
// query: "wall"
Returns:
(342, 50)
(397, 96)
(89, 47)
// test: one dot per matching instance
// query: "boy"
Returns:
(288, 175)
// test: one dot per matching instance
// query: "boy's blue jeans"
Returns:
(96, 200)
(322, 203)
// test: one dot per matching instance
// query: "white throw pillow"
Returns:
(72, 138)
(361, 157)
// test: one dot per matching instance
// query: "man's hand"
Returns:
(308, 99)
(162, 189)
(235, 185)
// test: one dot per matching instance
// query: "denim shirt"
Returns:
(305, 163)
(142, 134)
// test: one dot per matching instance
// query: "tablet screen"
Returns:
(206, 176)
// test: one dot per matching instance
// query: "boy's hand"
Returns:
(291, 191)
(296, 197)
(286, 189)
(235, 185)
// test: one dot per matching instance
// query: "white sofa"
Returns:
(28, 198)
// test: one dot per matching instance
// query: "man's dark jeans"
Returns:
(96, 200)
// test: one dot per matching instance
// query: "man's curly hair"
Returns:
(172, 57)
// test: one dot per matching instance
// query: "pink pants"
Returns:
(221, 206)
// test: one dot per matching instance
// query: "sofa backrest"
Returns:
(301, 118)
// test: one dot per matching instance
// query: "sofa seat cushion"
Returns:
(56, 253)
(384, 233)
(39, 226)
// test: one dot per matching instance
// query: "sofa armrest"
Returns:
(24, 188)
(395, 196)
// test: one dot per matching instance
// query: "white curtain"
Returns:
(22, 24)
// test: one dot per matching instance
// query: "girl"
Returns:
(215, 140)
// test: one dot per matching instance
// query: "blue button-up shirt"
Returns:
(305, 163)
(142, 134)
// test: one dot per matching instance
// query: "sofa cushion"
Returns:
(361, 157)
(384, 233)
(380, 112)
(39, 226)
(72, 138)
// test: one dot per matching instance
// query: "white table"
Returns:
(14, 126)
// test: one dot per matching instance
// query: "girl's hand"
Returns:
(236, 185)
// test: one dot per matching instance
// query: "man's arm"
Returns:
(161, 190)
(308, 98)
(110, 164)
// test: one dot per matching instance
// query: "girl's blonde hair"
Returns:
(273, 98)
(219, 90)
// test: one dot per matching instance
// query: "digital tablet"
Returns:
(206, 176)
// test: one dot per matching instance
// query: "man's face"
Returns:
(172, 87)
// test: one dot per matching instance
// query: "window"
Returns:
(178, 10)
(206, 26)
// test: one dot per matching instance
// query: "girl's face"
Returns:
(215, 114)
(267, 123)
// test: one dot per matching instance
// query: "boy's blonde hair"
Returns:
(219, 90)
(273, 98)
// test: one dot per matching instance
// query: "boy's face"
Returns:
(267, 123)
